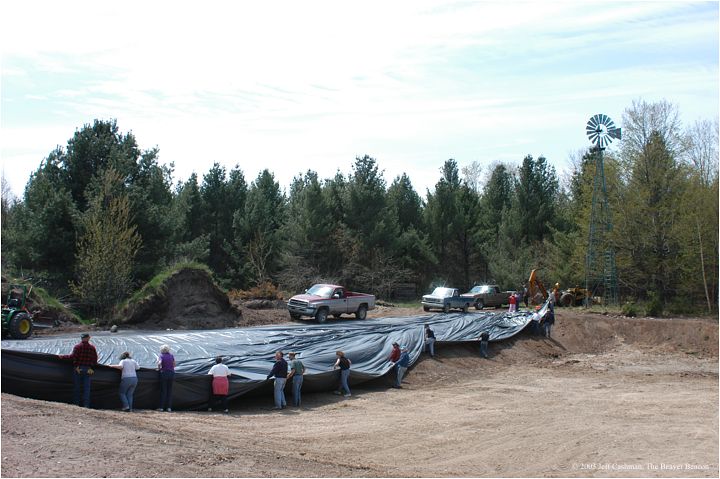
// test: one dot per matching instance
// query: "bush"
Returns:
(654, 306)
(629, 309)
(265, 290)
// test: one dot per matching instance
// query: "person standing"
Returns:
(220, 385)
(84, 358)
(513, 303)
(430, 340)
(484, 340)
(166, 366)
(549, 320)
(402, 365)
(297, 370)
(280, 372)
(343, 364)
(526, 298)
(128, 380)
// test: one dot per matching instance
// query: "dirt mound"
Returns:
(187, 299)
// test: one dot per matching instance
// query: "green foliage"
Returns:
(353, 228)
(654, 305)
(629, 309)
(107, 247)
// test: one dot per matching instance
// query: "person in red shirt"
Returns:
(513, 303)
(84, 358)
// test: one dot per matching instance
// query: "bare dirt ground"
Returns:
(606, 396)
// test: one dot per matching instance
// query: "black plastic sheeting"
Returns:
(31, 368)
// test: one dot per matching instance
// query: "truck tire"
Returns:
(567, 299)
(446, 308)
(465, 308)
(321, 315)
(21, 326)
(479, 304)
(361, 312)
(426, 308)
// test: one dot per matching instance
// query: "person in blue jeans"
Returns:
(166, 366)
(280, 372)
(343, 364)
(84, 358)
(128, 380)
(297, 369)
(402, 365)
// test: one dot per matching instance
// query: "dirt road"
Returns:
(605, 397)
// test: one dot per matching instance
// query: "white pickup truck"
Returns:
(322, 300)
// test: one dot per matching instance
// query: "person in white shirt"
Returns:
(128, 380)
(220, 385)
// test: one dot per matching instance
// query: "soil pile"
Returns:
(187, 299)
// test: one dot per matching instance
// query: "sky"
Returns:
(311, 85)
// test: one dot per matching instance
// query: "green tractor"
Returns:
(16, 320)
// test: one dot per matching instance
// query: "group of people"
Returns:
(84, 357)
(282, 372)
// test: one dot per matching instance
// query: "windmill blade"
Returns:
(592, 122)
(610, 124)
(593, 136)
(604, 118)
(615, 133)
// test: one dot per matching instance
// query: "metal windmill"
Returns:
(600, 270)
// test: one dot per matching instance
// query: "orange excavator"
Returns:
(537, 292)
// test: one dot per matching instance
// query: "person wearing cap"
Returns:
(403, 363)
(297, 370)
(220, 385)
(84, 358)
(343, 364)
(430, 340)
(279, 372)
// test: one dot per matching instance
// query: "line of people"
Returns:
(84, 357)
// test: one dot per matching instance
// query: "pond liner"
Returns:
(31, 368)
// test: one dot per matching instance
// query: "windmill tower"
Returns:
(600, 270)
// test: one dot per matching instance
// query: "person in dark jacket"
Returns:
(402, 365)
(279, 372)
(84, 358)
(343, 364)
(549, 320)
(430, 340)
(484, 339)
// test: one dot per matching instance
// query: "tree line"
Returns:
(101, 216)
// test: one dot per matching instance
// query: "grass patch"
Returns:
(41, 299)
(156, 286)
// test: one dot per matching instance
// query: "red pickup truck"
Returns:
(322, 300)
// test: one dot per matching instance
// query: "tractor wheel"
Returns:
(21, 326)
(479, 304)
(446, 308)
(321, 315)
(567, 300)
(361, 312)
